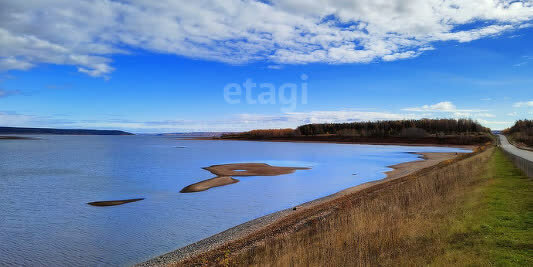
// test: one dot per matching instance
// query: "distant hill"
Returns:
(17, 130)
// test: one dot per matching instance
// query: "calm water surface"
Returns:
(45, 185)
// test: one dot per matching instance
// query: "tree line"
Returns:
(396, 128)
(521, 131)
(390, 128)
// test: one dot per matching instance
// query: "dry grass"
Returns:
(392, 223)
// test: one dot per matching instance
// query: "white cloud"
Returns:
(448, 109)
(523, 104)
(86, 33)
(485, 115)
(446, 106)
(496, 124)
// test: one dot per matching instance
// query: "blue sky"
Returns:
(484, 71)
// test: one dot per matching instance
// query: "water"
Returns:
(45, 185)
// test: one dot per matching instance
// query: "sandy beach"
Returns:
(249, 232)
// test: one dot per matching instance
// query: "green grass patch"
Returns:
(495, 224)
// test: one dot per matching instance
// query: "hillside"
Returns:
(521, 133)
(18, 130)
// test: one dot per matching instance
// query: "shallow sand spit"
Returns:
(247, 233)
(113, 202)
(251, 169)
(12, 137)
(225, 171)
(209, 183)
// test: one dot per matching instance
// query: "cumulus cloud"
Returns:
(86, 34)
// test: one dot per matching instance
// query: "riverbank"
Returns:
(244, 235)
(398, 142)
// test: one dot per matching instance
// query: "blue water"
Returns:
(45, 185)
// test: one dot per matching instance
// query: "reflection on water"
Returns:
(45, 185)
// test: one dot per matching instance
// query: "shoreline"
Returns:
(245, 231)
(471, 147)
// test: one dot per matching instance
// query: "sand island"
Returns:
(225, 172)
(113, 202)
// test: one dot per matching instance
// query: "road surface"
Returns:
(528, 155)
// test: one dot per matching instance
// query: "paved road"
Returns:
(528, 155)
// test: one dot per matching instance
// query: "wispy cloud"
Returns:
(59, 86)
(525, 61)
(444, 106)
(448, 109)
(280, 32)
(275, 67)
(238, 122)
(6, 93)
(523, 104)
(520, 64)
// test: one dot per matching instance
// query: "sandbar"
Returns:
(225, 171)
(13, 137)
(113, 202)
(251, 169)
(209, 183)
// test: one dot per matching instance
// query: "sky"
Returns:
(183, 66)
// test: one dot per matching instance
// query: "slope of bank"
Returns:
(472, 210)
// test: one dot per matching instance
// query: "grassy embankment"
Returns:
(473, 210)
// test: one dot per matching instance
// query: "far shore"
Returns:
(374, 142)
(245, 232)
